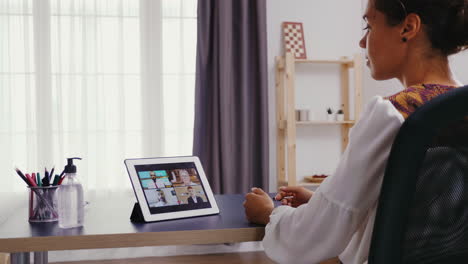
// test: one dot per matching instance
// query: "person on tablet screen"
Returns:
(150, 183)
(193, 198)
(161, 199)
(185, 177)
(153, 176)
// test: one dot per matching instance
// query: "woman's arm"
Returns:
(323, 227)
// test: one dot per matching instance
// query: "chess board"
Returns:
(293, 36)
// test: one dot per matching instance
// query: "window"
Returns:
(101, 79)
(179, 26)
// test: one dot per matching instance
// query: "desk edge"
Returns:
(188, 237)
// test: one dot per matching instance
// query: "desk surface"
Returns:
(107, 225)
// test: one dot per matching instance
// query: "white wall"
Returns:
(330, 33)
(332, 29)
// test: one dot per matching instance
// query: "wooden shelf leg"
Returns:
(291, 119)
(280, 119)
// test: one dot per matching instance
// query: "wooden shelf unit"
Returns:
(285, 109)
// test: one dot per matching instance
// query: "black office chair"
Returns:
(422, 215)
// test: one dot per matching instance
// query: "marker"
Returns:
(33, 177)
(38, 181)
(45, 181)
(56, 179)
(61, 177)
(31, 181)
(61, 180)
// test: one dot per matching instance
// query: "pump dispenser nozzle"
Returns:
(70, 168)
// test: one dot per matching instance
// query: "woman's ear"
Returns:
(411, 26)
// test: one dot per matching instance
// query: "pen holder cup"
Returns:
(43, 204)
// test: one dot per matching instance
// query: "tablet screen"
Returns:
(172, 187)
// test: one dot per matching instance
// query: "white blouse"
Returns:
(339, 218)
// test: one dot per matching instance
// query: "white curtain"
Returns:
(103, 80)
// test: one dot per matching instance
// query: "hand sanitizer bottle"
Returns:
(70, 198)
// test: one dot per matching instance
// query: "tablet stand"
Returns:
(137, 215)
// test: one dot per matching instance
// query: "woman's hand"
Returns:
(293, 196)
(258, 206)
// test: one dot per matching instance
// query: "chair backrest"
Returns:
(422, 215)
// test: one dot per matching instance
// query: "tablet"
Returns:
(170, 188)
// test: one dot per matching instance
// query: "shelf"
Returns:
(342, 61)
(285, 81)
(309, 184)
(350, 122)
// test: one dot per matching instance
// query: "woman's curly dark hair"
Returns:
(445, 21)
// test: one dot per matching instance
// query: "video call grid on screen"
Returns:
(167, 187)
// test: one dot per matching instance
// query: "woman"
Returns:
(409, 40)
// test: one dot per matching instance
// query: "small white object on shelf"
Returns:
(339, 115)
(312, 116)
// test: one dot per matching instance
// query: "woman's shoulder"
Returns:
(378, 113)
(378, 107)
(408, 100)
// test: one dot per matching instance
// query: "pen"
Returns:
(51, 173)
(22, 176)
(45, 180)
(286, 197)
(31, 197)
(31, 184)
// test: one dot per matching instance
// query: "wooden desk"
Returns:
(107, 225)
